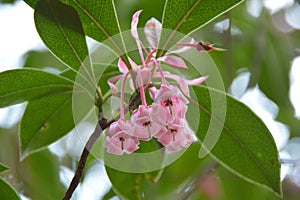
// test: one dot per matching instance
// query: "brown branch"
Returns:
(101, 126)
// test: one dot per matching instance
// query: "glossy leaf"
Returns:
(40, 176)
(19, 85)
(99, 20)
(245, 147)
(60, 28)
(7, 192)
(235, 188)
(31, 3)
(187, 16)
(106, 73)
(43, 60)
(3, 168)
(45, 121)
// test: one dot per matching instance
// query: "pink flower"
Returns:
(165, 118)
(119, 140)
(175, 135)
(145, 73)
(167, 92)
(144, 126)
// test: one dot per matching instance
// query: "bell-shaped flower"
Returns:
(144, 126)
(119, 139)
(167, 92)
(175, 135)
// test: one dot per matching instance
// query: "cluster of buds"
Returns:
(165, 118)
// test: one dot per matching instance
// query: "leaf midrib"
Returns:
(36, 88)
(98, 25)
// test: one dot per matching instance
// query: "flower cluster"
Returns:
(165, 118)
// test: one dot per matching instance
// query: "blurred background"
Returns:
(260, 68)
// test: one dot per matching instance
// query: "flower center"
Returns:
(122, 140)
(148, 123)
(169, 103)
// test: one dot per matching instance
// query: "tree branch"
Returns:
(101, 126)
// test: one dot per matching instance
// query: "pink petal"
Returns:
(152, 31)
(113, 146)
(134, 22)
(197, 81)
(152, 91)
(141, 133)
(174, 61)
(166, 138)
(130, 145)
(182, 83)
(141, 115)
(186, 47)
(144, 75)
(111, 83)
(122, 66)
(158, 114)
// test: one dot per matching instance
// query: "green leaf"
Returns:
(3, 167)
(127, 185)
(45, 121)
(31, 3)
(245, 146)
(98, 18)
(60, 28)
(187, 16)
(7, 192)
(43, 60)
(19, 85)
(102, 75)
(235, 188)
(40, 176)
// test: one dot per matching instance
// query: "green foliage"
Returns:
(44, 121)
(21, 85)
(3, 168)
(235, 187)
(43, 60)
(40, 175)
(187, 16)
(7, 192)
(245, 146)
(99, 20)
(60, 28)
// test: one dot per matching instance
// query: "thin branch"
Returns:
(101, 126)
